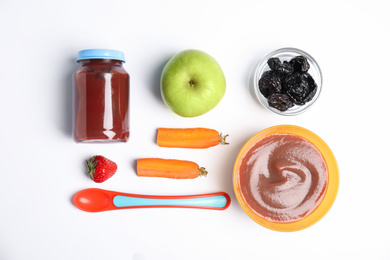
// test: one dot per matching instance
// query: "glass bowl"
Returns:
(330, 193)
(285, 54)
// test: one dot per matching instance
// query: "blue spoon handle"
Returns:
(207, 201)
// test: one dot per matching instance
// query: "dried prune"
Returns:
(276, 65)
(300, 64)
(299, 87)
(312, 86)
(270, 83)
(281, 102)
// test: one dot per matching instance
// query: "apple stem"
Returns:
(192, 84)
(222, 139)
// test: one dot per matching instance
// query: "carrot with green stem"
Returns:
(189, 137)
(169, 168)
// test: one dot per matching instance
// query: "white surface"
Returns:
(42, 168)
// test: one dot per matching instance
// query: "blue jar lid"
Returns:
(100, 54)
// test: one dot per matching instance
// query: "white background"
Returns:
(42, 168)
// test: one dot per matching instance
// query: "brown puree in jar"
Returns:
(283, 178)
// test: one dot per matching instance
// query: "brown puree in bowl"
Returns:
(283, 178)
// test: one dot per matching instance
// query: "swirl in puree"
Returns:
(283, 178)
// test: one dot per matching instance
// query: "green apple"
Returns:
(192, 83)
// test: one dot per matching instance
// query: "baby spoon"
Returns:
(96, 200)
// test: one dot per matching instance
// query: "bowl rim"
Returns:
(260, 69)
(330, 193)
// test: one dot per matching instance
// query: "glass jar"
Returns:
(101, 89)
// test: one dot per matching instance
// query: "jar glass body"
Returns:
(101, 89)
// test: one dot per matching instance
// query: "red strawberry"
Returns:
(100, 168)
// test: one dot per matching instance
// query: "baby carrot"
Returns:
(189, 137)
(169, 168)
